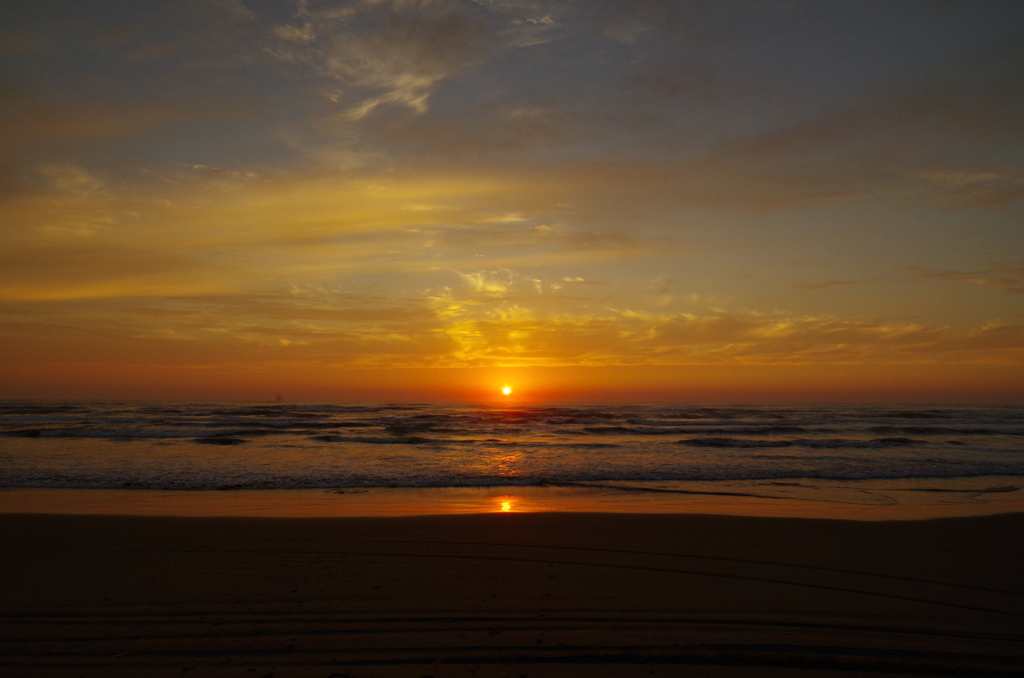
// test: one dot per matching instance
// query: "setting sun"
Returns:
(507, 390)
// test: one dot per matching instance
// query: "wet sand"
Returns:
(971, 497)
(519, 594)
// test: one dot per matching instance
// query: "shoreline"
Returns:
(594, 498)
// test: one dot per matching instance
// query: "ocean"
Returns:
(865, 454)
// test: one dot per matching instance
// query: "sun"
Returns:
(507, 390)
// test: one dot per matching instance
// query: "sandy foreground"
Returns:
(519, 595)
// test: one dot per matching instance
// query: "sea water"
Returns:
(869, 454)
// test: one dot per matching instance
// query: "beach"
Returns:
(510, 594)
(540, 541)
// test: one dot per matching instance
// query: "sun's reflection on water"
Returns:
(507, 465)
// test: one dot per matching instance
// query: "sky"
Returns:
(426, 200)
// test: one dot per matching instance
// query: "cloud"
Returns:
(31, 121)
(627, 21)
(72, 180)
(937, 140)
(302, 326)
(904, 138)
(489, 322)
(21, 40)
(674, 76)
(826, 283)
(973, 187)
(515, 336)
(507, 127)
(1008, 277)
(232, 10)
(535, 29)
(77, 233)
(304, 33)
(497, 283)
(27, 118)
(491, 326)
(399, 50)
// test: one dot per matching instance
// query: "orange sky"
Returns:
(423, 200)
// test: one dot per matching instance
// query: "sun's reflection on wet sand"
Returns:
(507, 504)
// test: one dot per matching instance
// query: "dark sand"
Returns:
(510, 595)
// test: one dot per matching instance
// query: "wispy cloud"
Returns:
(399, 50)
(1008, 277)
(826, 283)
(497, 283)
(935, 140)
